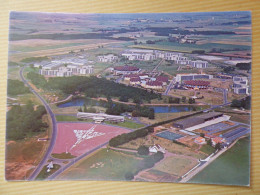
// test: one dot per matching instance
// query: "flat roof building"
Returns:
(188, 77)
(192, 121)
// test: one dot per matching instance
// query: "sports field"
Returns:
(232, 167)
(169, 135)
(78, 138)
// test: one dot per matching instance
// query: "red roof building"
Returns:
(123, 70)
(154, 83)
(135, 79)
(217, 140)
(126, 68)
(162, 79)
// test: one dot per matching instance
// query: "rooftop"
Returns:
(197, 83)
(126, 68)
(154, 83)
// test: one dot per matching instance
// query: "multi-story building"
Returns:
(199, 64)
(240, 85)
(63, 71)
(108, 58)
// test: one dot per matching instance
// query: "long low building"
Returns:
(189, 122)
(187, 77)
(100, 117)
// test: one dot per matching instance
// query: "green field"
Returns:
(103, 165)
(38, 48)
(25, 98)
(207, 149)
(231, 168)
(13, 73)
(66, 118)
(127, 124)
(174, 46)
(43, 174)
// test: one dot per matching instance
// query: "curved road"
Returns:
(54, 129)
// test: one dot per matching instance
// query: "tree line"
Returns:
(126, 137)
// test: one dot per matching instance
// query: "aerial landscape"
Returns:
(162, 97)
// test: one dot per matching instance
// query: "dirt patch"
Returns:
(22, 157)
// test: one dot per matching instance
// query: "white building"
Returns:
(187, 77)
(147, 55)
(199, 64)
(70, 70)
(99, 117)
(156, 148)
(108, 58)
(240, 85)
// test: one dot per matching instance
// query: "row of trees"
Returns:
(126, 137)
(24, 121)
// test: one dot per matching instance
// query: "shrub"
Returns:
(143, 150)
(129, 176)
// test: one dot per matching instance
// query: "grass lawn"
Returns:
(63, 155)
(102, 165)
(66, 118)
(127, 124)
(13, 73)
(207, 149)
(44, 174)
(232, 167)
(176, 165)
(23, 99)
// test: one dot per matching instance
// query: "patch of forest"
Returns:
(24, 121)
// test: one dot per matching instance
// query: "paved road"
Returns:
(225, 96)
(169, 87)
(54, 129)
(156, 67)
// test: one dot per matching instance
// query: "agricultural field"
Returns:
(174, 46)
(102, 165)
(232, 167)
(176, 165)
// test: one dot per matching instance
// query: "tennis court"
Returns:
(169, 135)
